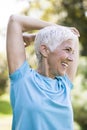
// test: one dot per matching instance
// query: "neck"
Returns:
(43, 69)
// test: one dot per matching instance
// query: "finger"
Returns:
(75, 31)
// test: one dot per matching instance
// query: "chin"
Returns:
(62, 74)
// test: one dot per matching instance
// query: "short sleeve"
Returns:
(20, 72)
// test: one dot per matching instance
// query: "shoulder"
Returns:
(20, 72)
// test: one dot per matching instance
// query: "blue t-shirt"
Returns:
(39, 102)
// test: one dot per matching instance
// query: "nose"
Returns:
(70, 57)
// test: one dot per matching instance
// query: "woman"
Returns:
(40, 98)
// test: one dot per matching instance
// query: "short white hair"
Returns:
(53, 36)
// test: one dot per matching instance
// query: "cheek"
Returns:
(55, 58)
(52, 60)
(61, 55)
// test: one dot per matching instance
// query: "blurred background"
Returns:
(63, 12)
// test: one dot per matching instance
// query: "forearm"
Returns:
(27, 23)
(14, 40)
(71, 72)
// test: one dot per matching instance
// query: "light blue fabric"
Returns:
(39, 102)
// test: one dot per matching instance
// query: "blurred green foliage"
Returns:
(31, 57)
(79, 94)
(5, 107)
(76, 11)
(64, 12)
(3, 74)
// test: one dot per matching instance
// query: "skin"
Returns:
(15, 39)
(51, 64)
(59, 61)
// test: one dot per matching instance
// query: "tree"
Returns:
(76, 16)
(66, 12)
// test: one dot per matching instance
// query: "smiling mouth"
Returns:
(65, 64)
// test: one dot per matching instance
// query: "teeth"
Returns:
(65, 64)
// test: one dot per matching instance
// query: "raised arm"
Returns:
(14, 43)
(71, 72)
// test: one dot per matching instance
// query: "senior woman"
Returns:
(40, 98)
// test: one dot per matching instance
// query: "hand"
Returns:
(28, 39)
(75, 31)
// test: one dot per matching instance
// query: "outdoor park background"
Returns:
(64, 12)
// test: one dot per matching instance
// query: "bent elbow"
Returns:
(12, 18)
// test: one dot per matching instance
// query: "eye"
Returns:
(67, 49)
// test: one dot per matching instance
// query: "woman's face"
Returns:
(61, 58)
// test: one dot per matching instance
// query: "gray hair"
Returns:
(53, 36)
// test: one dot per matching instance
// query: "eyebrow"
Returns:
(68, 47)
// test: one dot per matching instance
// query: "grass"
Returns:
(5, 112)
(5, 107)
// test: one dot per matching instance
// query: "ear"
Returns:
(44, 50)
